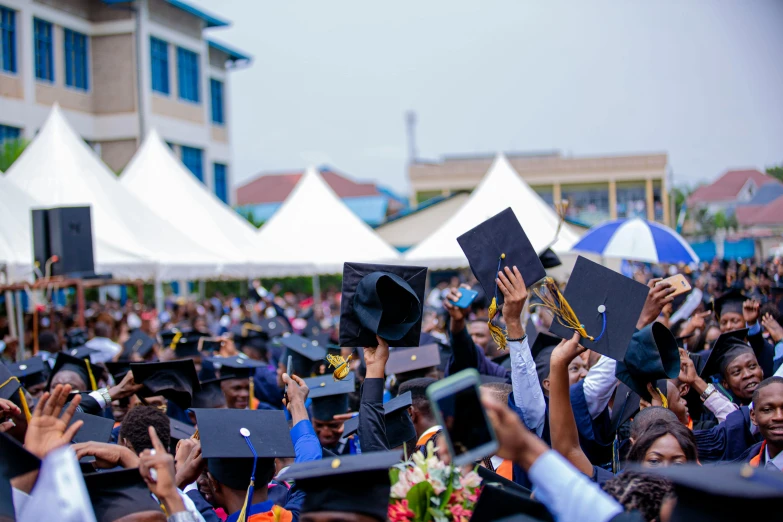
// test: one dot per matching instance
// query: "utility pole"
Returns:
(410, 124)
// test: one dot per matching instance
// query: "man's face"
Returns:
(730, 321)
(577, 370)
(742, 376)
(677, 403)
(68, 377)
(479, 332)
(36, 390)
(329, 432)
(237, 393)
(767, 413)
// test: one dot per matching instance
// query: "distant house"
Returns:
(735, 187)
(264, 194)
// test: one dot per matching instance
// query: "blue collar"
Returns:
(255, 509)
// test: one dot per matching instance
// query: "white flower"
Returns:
(470, 480)
(437, 486)
(400, 489)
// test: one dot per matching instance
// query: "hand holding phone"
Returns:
(678, 282)
(288, 369)
(466, 298)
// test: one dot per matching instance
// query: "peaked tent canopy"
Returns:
(500, 188)
(188, 205)
(59, 169)
(314, 232)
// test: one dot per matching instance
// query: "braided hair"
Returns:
(637, 491)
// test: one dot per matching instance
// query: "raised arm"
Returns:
(372, 422)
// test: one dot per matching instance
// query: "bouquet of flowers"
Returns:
(427, 490)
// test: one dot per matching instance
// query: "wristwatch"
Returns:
(105, 394)
(182, 516)
(709, 390)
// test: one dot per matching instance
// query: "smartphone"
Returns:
(289, 367)
(466, 298)
(678, 282)
(209, 344)
(456, 403)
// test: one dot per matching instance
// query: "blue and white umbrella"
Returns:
(637, 240)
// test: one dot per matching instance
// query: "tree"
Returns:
(776, 171)
(250, 217)
(10, 150)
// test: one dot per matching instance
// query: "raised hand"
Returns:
(457, 314)
(188, 462)
(750, 311)
(7, 409)
(512, 285)
(773, 327)
(125, 388)
(107, 456)
(297, 395)
(567, 350)
(48, 428)
(660, 295)
(157, 469)
(375, 359)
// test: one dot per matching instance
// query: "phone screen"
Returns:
(464, 420)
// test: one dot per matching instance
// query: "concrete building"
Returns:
(119, 68)
(597, 188)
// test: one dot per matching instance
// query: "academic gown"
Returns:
(750, 453)
(595, 435)
(265, 387)
(728, 440)
(372, 421)
(465, 354)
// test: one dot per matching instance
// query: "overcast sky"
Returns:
(331, 81)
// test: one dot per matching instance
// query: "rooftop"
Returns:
(729, 185)
(275, 187)
(754, 215)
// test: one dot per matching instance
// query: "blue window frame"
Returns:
(193, 160)
(187, 75)
(216, 89)
(7, 40)
(76, 60)
(159, 58)
(44, 58)
(9, 133)
(221, 182)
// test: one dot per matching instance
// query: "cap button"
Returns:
(601, 309)
(413, 357)
(244, 432)
(22, 367)
(323, 384)
(315, 343)
(502, 256)
(271, 326)
(240, 361)
(335, 463)
(304, 345)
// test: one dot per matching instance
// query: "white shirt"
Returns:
(106, 349)
(599, 385)
(528, 395)
(777, 462)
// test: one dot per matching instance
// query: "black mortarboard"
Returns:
(139, 343)
(497, 243)
(496, 501)
(276, 326)
(549, 259)
(14, 461)
(729, 302)
(352, 484)
(652, 355)
(312, 328)
(184, 342)
(236, 367)
(174, 380)
(81, 352)
(542, 344)
(408, 360)
(399, 426)
(179, 430)
(117, 494)
(11, 389)
(304, 352)
(94, 429)
(330, 396)
(607, 305)
(717, 493)
(30, 372)
(209, 396)
(726, 348)
(249, 330)
(490, 477)
(229, 457)
(81, 366)
(118, 370)
(385, 300)
(626, 405)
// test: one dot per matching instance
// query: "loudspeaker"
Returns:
(65, 232)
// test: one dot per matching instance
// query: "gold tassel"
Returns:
(196, 435)
(252, 395)
(248, 500)
(498, 335)
(22, 399)
(664, 400)
(553, 300)
(93, 384)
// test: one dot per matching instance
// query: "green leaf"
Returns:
(438, 515)
(449, 490)
(418, 498)
(394, 475)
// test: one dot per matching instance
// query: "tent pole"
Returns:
(20, 322)
(159, 295)
(9, 310)
(317, 289)
(202, 289)
(183, 288)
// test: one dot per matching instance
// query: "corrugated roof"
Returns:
(274, 188)
(728, 186)
(210, 19)
(769, 214)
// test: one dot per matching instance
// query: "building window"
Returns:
(159, 58)
(9, 133)
(216, 88)
(44, 59)
(631, 200)
(76, 61)
(221, 182)
(546, 193)
(192, 158)
(587, 204)
(187, 75)
(7, 40)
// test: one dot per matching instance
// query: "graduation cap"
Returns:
(304, 353)
(549, 259)
(11, 389)
(179, 431)
(79, 365)
(250, 330)
(139, 343)
(729, 302)
(94, 429)
(117, 494)
(490, 477)
(495, 244)
(81, 352)
(652, 356)
(209, 396)
(626, 405)
(408, 362)
(542, 344)
(184, 342)
(600, 304)
(174, 380)
(236, 367)
(233, 441)
(276, 326)
(726, 348)
(30, 372)
(385, 300)
(723, 493)
(399, 426)
(118, 370)
(330, 396)
(312, 328)
(14, 461)
(497, 501)
(352, 484)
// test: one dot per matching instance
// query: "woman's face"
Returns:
(712, 335)
(665, 451)
(730, 321)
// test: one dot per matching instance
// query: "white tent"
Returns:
(500, 188)
(188, 205)
(59, 169)
(314, 232)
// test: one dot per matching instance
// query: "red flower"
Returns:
(399, 512)
(460, 514)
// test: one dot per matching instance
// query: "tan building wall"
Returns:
(167, 106)
(89, 9)
(117, 154)
(11, 86)
(173, 18)
(219, 134)
(47, 93)
(114, 60)
(217, 58)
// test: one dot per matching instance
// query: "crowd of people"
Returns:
(263, 407)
